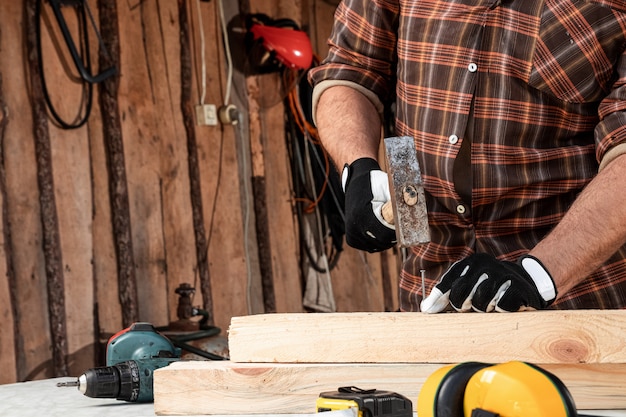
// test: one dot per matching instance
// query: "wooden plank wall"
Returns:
(47, 331)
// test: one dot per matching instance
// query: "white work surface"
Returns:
(44, 399)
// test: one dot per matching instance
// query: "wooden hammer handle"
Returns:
(387, 212)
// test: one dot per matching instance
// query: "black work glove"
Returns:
(366, 189)
(482, 283)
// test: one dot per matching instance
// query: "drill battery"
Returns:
(369, 402)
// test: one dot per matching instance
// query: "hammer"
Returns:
(407, 207)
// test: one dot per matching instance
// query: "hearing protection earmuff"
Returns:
(511, 389)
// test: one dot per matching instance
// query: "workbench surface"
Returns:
(44, 399)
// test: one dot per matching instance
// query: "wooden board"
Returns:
(583, 336)
(8, 87)
(172, 158)
(187, 388)
(29, 334)
(228, 207)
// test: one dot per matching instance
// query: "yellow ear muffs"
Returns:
(443, 391)
(517, 389)
(428, 392)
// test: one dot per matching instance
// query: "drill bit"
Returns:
(74, 383)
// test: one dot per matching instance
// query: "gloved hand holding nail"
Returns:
(482, 283)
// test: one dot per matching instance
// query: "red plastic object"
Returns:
(292, 47)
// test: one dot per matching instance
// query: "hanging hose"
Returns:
(84, 69)
(181, 342)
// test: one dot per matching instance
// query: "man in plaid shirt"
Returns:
(518, 110)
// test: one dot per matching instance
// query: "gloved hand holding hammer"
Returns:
(366, 189)
(372, 222)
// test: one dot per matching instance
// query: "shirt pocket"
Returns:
(579, 44)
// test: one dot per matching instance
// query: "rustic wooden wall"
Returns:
(101, 223)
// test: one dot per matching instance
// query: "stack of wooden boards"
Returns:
(280, 363)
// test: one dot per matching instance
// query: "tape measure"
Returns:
(368, 402)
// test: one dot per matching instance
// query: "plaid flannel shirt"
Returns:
(532, 92)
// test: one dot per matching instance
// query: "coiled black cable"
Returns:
(87, 87)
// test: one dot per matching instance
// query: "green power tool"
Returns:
(132, 356)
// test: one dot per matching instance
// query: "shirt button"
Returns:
(460, 209)
(453, 139)
(472, 67)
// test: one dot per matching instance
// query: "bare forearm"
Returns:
(593, 229)
(348, 125)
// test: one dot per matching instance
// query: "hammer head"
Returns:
(407, 191)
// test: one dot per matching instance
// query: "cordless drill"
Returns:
(132, 356)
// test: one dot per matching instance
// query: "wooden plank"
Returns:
(7, 277)
(71, 177)
(204, 387)
(32, 337)
(267, 128)
(582, 336)
(7, 270)
(322, 19)
(111, 117)
(357, 282)
(223, 158)
(279, 198)
(163, 60)
(142, 149)
(72, 182)
(259, 194)
(7, 329)
(107, 309)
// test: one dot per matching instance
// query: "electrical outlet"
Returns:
(206, 115)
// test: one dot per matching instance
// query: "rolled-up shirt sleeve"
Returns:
(362, 51)
(610, 133)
